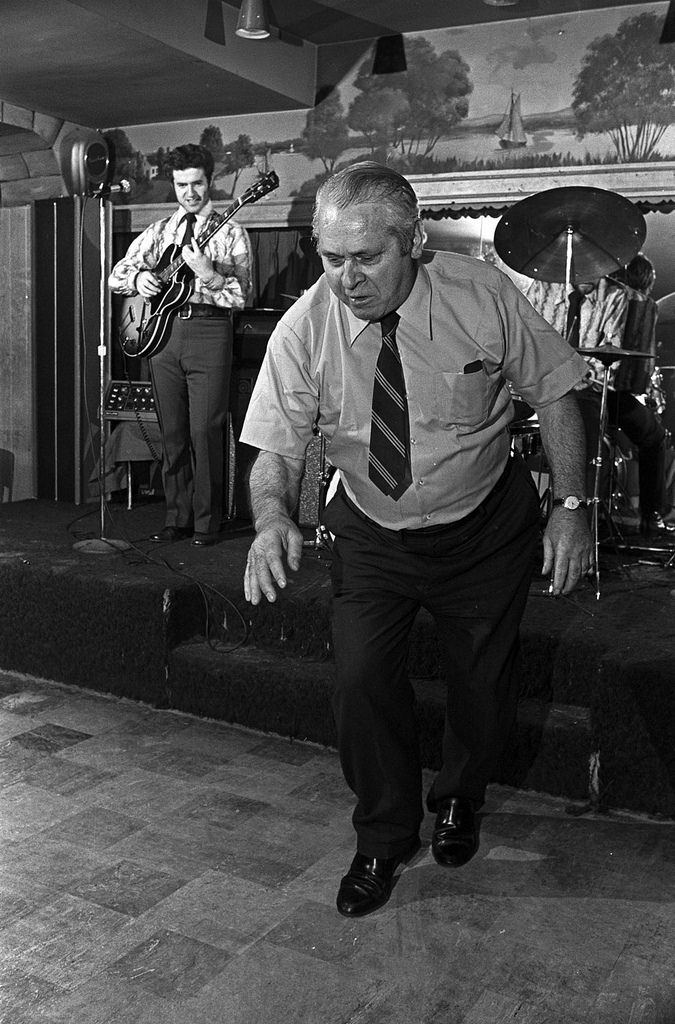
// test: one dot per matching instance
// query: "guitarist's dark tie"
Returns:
(189, 221)
(389, 455)
(576, 300)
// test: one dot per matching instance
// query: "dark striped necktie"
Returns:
(189, 221)
(389, 454)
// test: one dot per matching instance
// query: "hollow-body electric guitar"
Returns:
(145, 324)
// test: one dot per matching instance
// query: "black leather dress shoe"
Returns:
(205, 540)
(171, 534)
(455, 838)
(369, 882)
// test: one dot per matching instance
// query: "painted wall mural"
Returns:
(583, 89)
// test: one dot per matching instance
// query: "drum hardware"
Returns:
(655, 397)
(322, 540)
(574, 235)
(608, 354)
(526, 441)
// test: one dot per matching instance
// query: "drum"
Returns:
(526, 437)
(526, 441)
(619, 487)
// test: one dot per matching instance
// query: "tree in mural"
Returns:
(416, 107)
(121, 152)
(236, 156)
(379, 115)
(212, 139)
(159, 160)
(325, 135)
(626, 88)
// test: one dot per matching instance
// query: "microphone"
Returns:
(105, 190)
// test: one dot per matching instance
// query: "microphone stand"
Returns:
(102, 545)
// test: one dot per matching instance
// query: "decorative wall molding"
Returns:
(652, 186)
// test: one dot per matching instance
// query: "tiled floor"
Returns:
(161, 869)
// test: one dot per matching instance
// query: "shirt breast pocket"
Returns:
(461, 399)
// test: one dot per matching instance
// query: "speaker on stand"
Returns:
(84, 160)
(85, 163)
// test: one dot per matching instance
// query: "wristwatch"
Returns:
(571, 502)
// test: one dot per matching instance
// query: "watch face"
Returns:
(572, 502)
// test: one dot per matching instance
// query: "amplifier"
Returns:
(130, 400)
(252, 328)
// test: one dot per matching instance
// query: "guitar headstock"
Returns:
(266, 183)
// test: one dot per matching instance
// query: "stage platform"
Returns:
(169, 626)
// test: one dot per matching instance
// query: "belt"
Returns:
(429, 531)
(201, 309)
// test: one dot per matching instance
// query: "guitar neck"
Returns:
(172, 268)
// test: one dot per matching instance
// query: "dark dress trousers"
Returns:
(473, 576)
(191, 381)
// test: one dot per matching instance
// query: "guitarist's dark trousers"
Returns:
(191, 382)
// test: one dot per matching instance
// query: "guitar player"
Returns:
(191, 370)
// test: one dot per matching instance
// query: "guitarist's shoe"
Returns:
(205, 540)
(171, 534)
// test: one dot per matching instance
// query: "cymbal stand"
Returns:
(597, 463)
(606, 361)
(568, 258)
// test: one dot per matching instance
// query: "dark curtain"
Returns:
(285, 264)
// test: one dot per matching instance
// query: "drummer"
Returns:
(594, 313)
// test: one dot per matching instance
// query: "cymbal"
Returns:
(604, 229)
(666, 307)
(611, 353)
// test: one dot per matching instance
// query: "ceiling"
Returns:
(110, 63)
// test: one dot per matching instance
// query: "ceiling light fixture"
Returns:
(252, 22)
(501, 3)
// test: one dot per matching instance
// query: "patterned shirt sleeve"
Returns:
(230, 250)
(144, 253)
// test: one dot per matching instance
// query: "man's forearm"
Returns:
(274, 487)
(564, 439)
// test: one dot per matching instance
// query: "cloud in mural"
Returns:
(523, 55)
(535, 49)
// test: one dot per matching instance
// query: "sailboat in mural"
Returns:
(511, 133)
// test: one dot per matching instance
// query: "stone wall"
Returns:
(29, 147)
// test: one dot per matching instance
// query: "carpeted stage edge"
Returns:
(597, 713)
